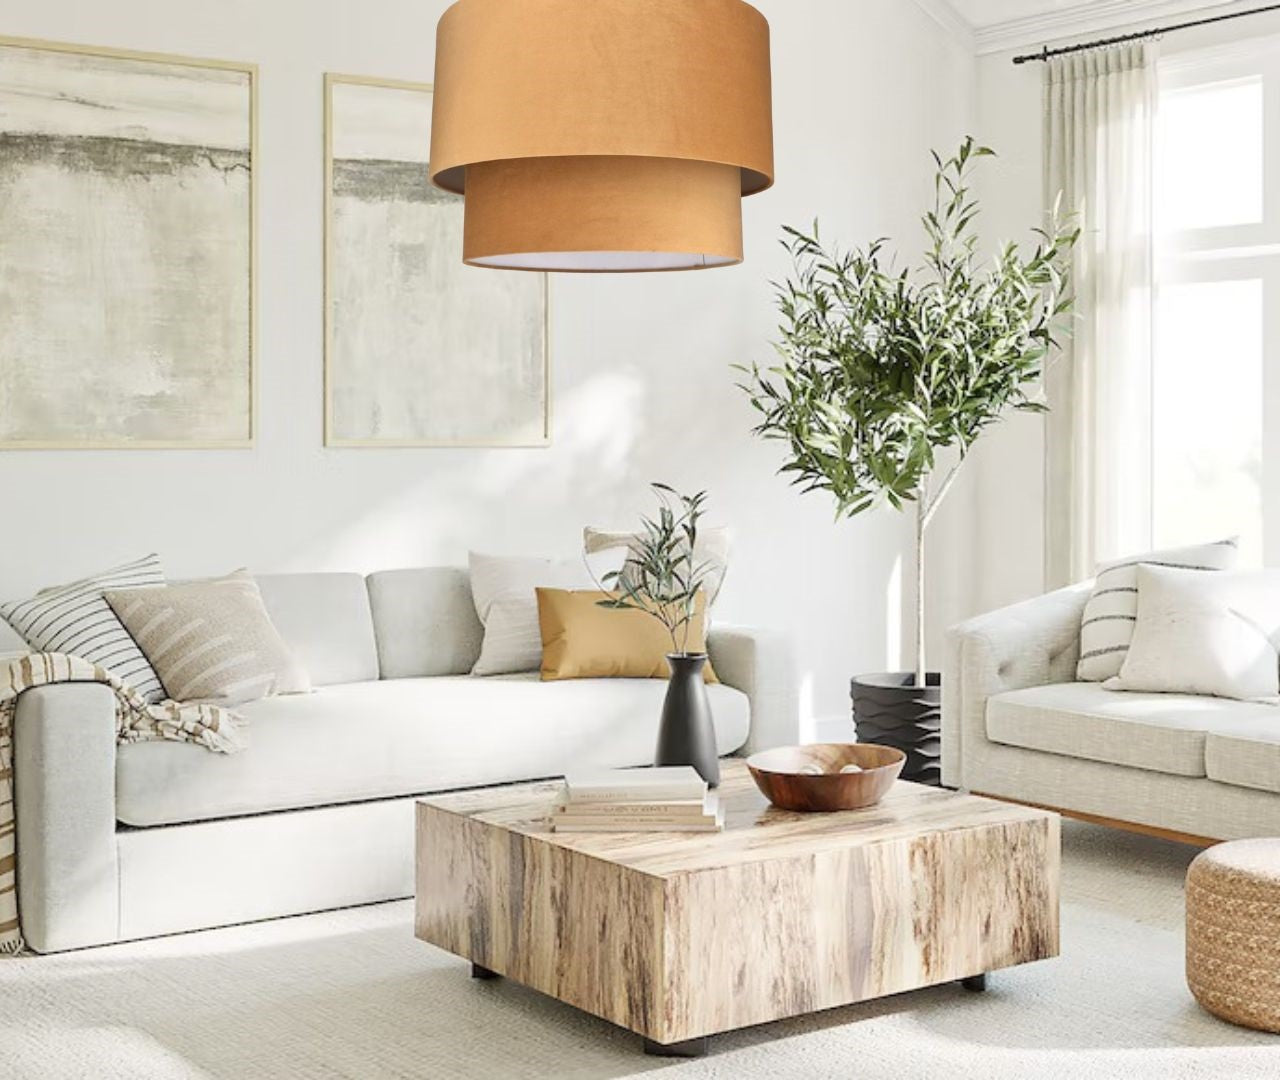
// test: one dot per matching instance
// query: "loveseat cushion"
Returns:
(1246, 752)
(1158, 732)
(376, 740)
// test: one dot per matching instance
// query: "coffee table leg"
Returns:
(478, 972)
(690, 1048)
(976, 983)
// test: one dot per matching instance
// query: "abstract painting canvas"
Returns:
(421, 350)
(126, 249)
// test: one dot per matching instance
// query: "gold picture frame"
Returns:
(333, 435)
(62, 127)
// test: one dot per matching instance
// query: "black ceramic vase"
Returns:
(687, 735)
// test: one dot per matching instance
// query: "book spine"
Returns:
(657, 821)
(663, 793)
(634, 827)
(639, 810)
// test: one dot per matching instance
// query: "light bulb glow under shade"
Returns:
(602, 262)
(602, 136)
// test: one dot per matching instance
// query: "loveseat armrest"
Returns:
(1031, 643)
(761, 664)
(64, 774)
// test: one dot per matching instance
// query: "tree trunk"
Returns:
(921, 522)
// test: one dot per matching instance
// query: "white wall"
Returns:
(642, 387)
(998, 516)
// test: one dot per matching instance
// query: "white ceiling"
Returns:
(1011, 24)
(984, 13)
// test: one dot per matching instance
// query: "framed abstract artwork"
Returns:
(420, 350)
(127, 249)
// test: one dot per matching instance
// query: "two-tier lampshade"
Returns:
(602, 135)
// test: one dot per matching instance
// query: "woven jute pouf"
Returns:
(1233, 932)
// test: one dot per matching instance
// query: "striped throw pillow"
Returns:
(76, 619)
(1106, 628)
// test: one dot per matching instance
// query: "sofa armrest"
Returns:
(760, 663)
(1027, 644)
(64, 771)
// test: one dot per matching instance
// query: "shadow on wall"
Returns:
(508, 501)
(834, 586)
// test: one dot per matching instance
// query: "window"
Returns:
(1217, 277)
(1210, 164)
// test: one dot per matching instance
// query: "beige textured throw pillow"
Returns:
(210, 640)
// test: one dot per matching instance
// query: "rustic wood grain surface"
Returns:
(676, 936)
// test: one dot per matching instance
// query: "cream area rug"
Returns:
(353, 994)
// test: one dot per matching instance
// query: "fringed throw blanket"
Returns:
(205, 725)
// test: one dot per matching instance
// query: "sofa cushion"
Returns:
(1246, 752)
(425, 622)
(325, 621)
(1160, 732)
(376, 740)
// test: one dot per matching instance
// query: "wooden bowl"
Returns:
(778, 774)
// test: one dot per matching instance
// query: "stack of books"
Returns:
(668, 799)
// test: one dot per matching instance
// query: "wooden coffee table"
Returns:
(679, 936)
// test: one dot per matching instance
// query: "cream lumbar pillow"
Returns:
(211, 641)
(502, 588)
(1107, 624)
(711, 551)
(1200, 633)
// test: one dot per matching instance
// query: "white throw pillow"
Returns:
(712, 549)
(1107, 624)
(1200, 633)
(504, 591)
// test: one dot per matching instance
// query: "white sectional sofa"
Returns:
(151, 838)
(1017, 725)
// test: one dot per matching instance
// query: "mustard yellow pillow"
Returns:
(582, 640)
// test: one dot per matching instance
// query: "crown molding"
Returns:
(947, 17)
(1086, 19)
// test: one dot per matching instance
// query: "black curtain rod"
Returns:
(1046, 53)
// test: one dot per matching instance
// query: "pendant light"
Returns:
(602, 135)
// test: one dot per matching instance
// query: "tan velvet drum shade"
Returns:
(602, 135)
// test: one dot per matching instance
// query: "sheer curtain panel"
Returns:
(1099, 134)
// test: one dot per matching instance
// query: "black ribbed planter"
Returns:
(888, 709)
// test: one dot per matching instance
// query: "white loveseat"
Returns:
(1017, 725)
(151, 838)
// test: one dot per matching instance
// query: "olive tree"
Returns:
(883, 372)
